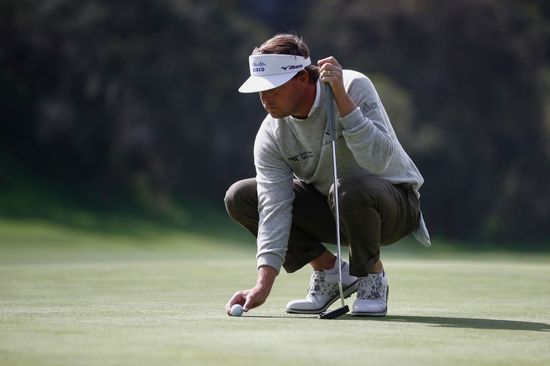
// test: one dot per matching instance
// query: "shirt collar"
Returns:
(317, 98)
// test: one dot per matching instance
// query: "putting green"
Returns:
(73, 298)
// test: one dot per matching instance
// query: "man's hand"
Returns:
(256, 296)
(330, 71)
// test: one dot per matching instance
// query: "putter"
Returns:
(332, 129)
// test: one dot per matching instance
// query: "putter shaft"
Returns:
(338, 245)
(332, 128)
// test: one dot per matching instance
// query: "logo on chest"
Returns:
(301, 157)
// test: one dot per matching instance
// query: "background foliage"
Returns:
(136, 101)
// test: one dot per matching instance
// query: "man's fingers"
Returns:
(330, 67)
(238, 298)
(249, 304)
(330, 70)
(328, 60)
(331, 76)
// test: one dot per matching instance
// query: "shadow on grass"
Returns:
(472, 323)
(448, 322)
(281, 316)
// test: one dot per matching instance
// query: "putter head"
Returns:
(334, 313)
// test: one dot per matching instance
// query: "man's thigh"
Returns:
(396, 205)
(311, 212)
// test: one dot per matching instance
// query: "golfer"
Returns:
(289, 205)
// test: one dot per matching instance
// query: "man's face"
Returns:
(284, 100)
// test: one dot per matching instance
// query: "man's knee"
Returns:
(363, 190)
(240, 195)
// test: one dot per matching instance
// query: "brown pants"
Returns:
(373, 212)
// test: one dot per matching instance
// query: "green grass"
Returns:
(79, 297)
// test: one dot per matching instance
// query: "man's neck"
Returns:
(308, 101)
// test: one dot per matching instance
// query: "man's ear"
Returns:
(303, 76)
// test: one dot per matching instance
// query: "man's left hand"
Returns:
(330, 71)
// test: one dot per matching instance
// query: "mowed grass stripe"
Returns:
(160, 300)
(171, 312)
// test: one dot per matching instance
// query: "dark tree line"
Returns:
(141, 96)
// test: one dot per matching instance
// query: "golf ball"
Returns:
(236, 310)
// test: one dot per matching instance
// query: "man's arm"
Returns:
(363, 120)
(275, 196)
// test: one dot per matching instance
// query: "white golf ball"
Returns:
(236, 310)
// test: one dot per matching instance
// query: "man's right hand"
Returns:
(256, 296)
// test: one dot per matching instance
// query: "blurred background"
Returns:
(128, 111)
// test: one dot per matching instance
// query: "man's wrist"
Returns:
(266, 277)
(344, 103)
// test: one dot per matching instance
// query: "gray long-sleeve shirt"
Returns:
(289, 147)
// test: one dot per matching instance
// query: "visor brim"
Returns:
(256, 84)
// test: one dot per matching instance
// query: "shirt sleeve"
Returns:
(275, 197)
(366, 130)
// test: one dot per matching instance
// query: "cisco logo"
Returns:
(258, 66)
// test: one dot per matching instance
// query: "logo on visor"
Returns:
(292, 67)
(258, 66)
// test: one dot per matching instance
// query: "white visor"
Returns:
(268, 71)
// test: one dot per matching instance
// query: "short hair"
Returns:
(289, 44)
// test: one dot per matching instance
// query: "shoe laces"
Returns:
(371, 287)
(318, 285)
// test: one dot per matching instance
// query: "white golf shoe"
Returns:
(323, 291)
(372, 295)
